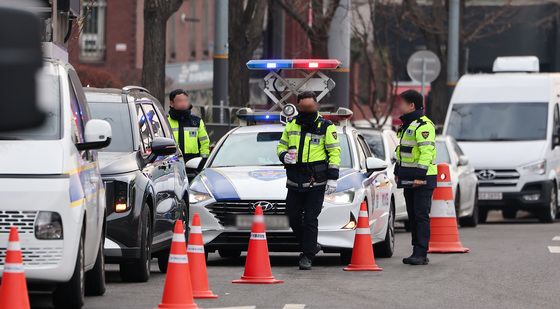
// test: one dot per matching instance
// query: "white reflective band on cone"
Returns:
(178, 258)
(195, 249)
(13, 268)
(13, 246)
(442, 209)
(363, 213)
(178, 237)
(258, 236)
(363, 231)
(196, 230)
(258, 219)
(444, 184)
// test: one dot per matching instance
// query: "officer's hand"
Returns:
(290, 158)
(331, 187)
(418, 183)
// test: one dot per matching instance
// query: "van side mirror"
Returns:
(97, 135)
(463, 160)
(375, 165)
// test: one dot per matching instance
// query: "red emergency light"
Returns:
(342, 115)
(315, 64)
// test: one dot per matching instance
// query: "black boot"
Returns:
(409, 260)
(304, 262)
(418, 260)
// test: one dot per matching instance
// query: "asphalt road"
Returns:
(510, 266)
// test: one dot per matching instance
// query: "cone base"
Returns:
(447, 248)
(245, 280)
(204, 294)
(362, 268)
(177, 306)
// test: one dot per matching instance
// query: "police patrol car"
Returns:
(244, 171)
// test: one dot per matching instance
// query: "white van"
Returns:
(507, 123)
(51, 190)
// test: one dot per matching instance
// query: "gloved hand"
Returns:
(331, 187)
(290, 158)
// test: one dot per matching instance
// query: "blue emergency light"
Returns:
(272, 118)
(309, 64)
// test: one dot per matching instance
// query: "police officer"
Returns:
(310, 151)
(188, 130)
(415, 171)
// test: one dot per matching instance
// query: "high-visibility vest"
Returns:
(195, 137)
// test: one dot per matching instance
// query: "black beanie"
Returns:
(413, 96)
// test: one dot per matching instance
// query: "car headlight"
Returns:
(343, 197)
(198, 192)
(538, 168)
(48, 225)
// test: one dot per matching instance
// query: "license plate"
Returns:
(494, 196)
(272, 222)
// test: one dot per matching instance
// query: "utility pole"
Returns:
(339, 48)
(453, 43)
(220, 78)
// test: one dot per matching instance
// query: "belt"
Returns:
(305, 184)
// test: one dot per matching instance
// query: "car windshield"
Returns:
(442, 155)
(259, 149)
(48, 84)
(375, 143)
(498, 121)
(118, 116)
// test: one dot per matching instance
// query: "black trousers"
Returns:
(418, 205)
(303, 211)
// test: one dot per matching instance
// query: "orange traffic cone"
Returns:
(444, 234)
(257, 264)
(362, 254)
(177, 291)
(197, 261)
(13, 292)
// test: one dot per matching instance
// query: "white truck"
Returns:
(508, 124)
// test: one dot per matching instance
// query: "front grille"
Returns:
(37, 256)
(226, 212)
(498, 178)
(23, 220)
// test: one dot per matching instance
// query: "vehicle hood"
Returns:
(31, 157)
(503, 155)
(117, 162)
(248, 182)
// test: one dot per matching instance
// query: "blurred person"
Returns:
(188, 130)
(415, 171)
(310, 151)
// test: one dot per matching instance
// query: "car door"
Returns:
(467, 178)
(400, 204)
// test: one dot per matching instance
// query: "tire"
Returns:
(548, 214)
(139, 270)
(386, 248)
(345, 256)
(229, 254)
(472, 220)
(482, 214)
(71, 294)
(95, 278)
(509, 213)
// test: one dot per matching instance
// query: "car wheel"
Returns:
(71, 294)
(482, 214)
(229, 254)
(386, 248)
(472, 220)
(548, 214)
(139, 270)
(95, 278)
(345, 256)
(509, 213)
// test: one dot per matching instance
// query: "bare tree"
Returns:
(317, 27)
(156, 14)
(246, 20)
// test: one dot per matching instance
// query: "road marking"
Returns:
(554, 249)
(294, 306)
(556, 238)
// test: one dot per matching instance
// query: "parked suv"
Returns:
(51, 190)
(145, 177)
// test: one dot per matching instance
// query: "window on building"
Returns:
(92, 37)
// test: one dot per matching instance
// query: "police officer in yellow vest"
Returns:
(415, 171)
(310, 151)
(188, 130)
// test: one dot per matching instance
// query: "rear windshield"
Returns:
(118, 115)
(498, 121)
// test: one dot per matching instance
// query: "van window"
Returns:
(498, 121)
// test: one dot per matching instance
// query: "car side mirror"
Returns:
(375, 165)
(193, 163)
(163, 146)
(97, 135)
(463, 160)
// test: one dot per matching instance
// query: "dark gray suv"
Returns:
(145, 179)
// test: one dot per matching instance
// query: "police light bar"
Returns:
(341, 116)
(306, 64)
(248, 116)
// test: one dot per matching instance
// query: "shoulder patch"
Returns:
(334, 135)
(425, 134)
